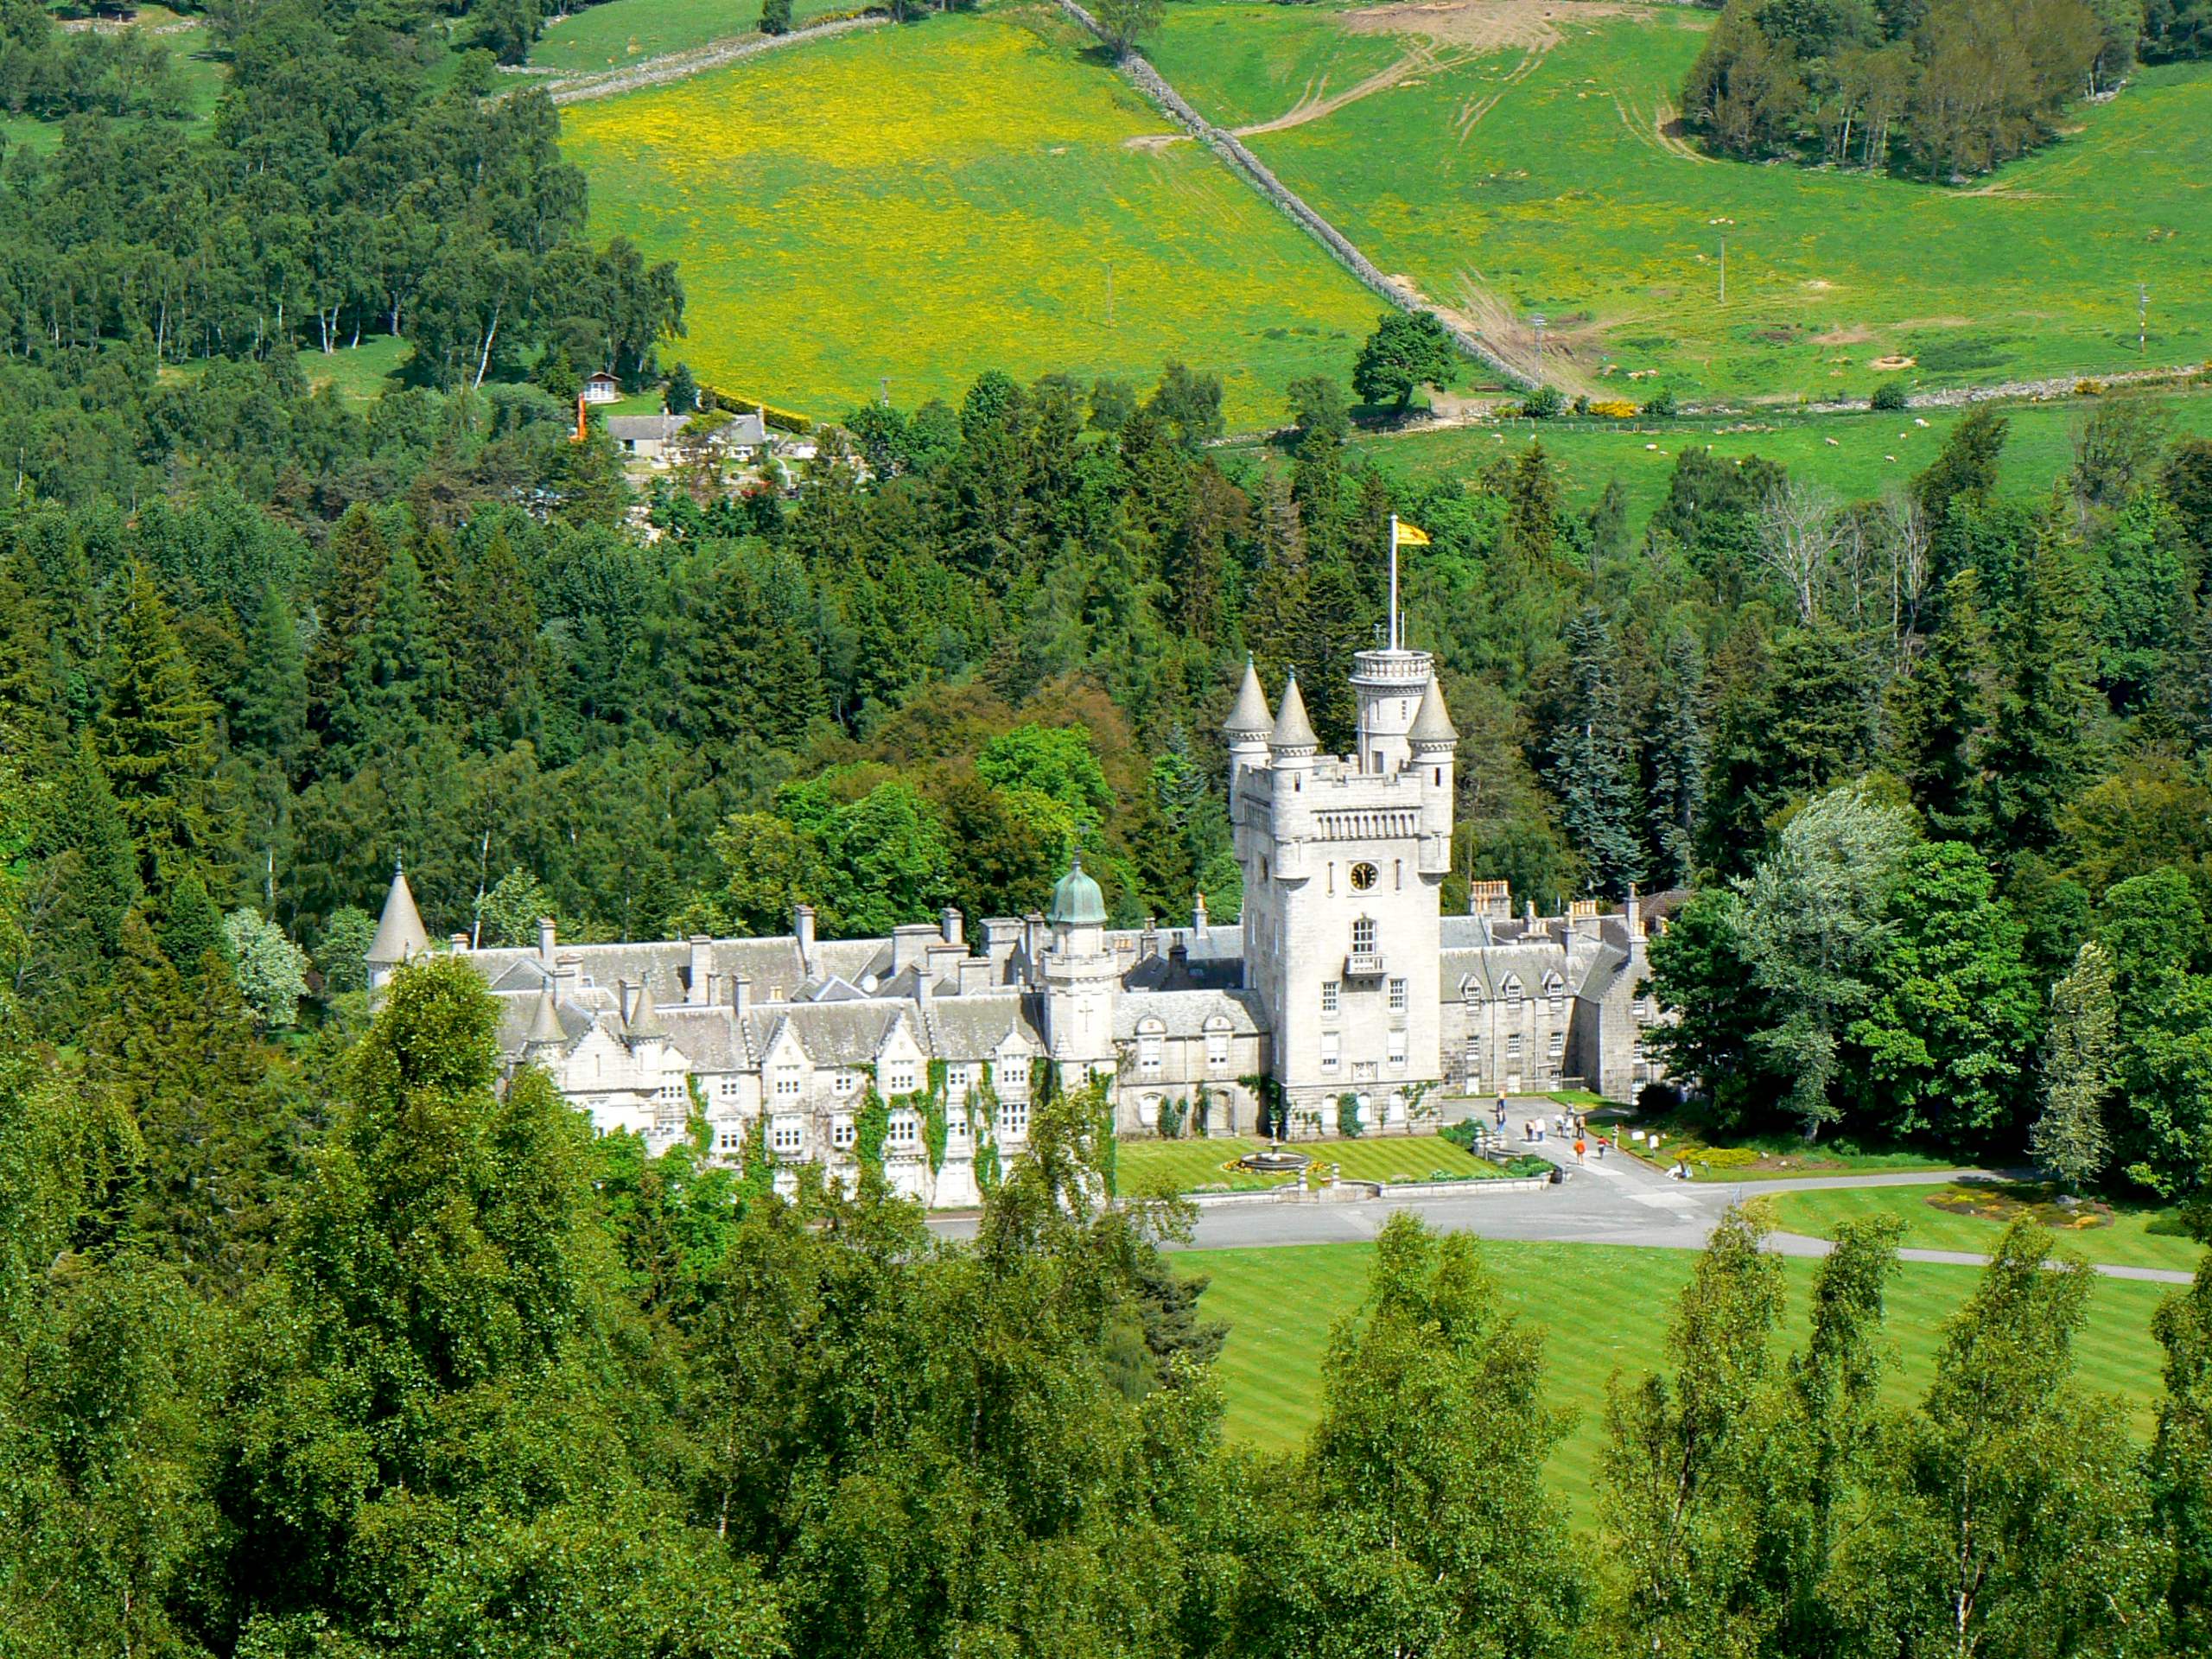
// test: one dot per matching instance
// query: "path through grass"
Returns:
(1603, 1309)
(925, 203)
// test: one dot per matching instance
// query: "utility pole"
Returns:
(1724, 271)
(483, 868)
(884, 381)
(268, 886)
(2142, 318)
(1537, 319)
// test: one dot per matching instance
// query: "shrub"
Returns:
(1172, 1112)
(776, 17)
(1890, 395)
(1465, 1135)
(1661, 404)
(1543, 403)
(1348, 1116)
(1615, 409)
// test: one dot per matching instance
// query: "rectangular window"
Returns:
(898, 1077)
(1398, 1049)
(844, 1083)
(906, 1131)
(1363, 936)
(787, 1082)
(1148, 1056)
(787, 1137)
(1013, 1120)
(1331, 1051)
(1558, 1044)
(1397, 996)
(1513, 1046)
(1014, 1072)
(956, 1081)
(841, 1134)
(1329, 993)
(1216, 1050)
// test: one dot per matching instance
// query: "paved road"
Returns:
(1614, 1200)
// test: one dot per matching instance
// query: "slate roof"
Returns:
(400, 934)
(1185, 1014)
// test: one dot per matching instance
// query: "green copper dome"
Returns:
(1076, 900)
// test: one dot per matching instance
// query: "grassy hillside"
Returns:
(1524, 177)
(624, 31)
(928, 202)
(1870, 453)
(1603, 1309)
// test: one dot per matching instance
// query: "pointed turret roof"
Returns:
(1432, 727)
(1294, 733)
(545, 1023)
(401, 936)
(1250, 718)
(644, 1018)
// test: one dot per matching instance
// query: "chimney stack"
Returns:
(740, 993)
(954, 924)
(566, 971)
(698, 994)
(803, 931)
(545, 940)
(1198, 917)
(459, 941)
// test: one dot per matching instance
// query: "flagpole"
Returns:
(1394, 581)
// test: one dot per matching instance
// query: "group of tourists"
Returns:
(1534, 1130)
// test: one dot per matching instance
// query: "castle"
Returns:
(1343, 985)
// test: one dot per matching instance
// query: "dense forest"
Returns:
(323, 1343)
(1940, 89)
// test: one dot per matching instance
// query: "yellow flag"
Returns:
(1411, 535)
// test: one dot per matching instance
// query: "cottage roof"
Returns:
(628, 429)
(401, 936)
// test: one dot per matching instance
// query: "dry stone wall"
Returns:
(1232, 149)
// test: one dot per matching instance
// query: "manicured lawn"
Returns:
(1516, 180)
(624, 31)
(1870, 454)
(925, 203)
(1604, 1308)
(2123, 1240)
(1783, 1158)
(1190, 1166)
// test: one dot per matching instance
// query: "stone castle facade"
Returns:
(1344, 978)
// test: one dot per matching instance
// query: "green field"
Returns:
(2125, 1241)
(626, 31)
(1188, 1166)
(1604, 1308)
(1856, 465)
(1508, 177)
(197, 70)
(361, 373)
(925, 203)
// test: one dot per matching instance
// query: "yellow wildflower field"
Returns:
(924, 203)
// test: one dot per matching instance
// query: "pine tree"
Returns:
(389, 683)
(2078, 1071)
(1591, 764)
(1677, 752)
(358, 555)
(498, 615)
(179, 1055)
(190, 927)
(1939, 716)
(2039, 748)
(272, 704)
(156, 740)
(1534, 502)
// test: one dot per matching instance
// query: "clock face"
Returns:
(1362, 877)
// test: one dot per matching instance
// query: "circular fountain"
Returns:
(1276, 1160)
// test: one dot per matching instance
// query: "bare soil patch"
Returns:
(1844, 337)
(1483, 25)
(1889, 363)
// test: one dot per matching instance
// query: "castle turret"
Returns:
(1247, 725)
(1079, 976)
(1432, 746)
(401, 936)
